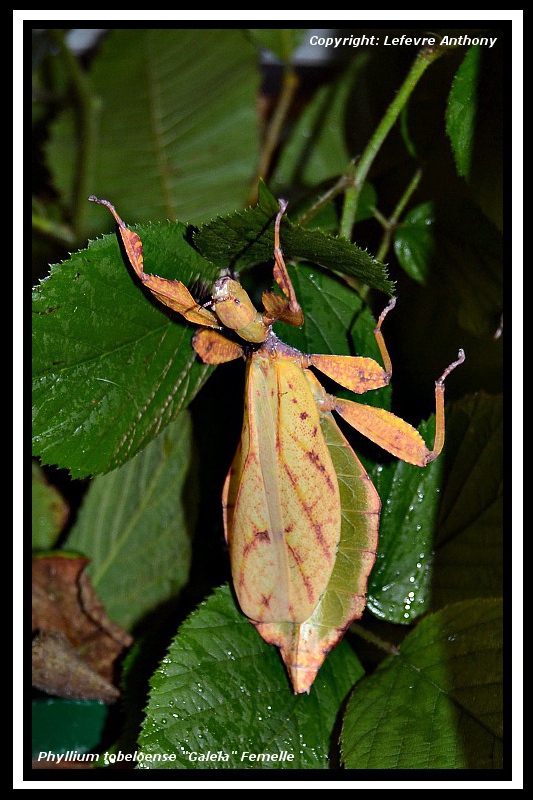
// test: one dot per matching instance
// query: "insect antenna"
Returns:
(201, 289)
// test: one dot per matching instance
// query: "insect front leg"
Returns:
(214, 348)
(286, 309)
(171, 293)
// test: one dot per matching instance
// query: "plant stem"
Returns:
(421, 63)
(53, 230)
(387, 647)
(88, 108)
(340, 186)
(289, 85)
(390, 224)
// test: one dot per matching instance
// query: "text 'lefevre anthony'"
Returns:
(398, 41)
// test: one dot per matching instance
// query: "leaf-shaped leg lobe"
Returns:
(215, 348)
(171, 293)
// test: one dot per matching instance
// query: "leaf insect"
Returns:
(299, 568)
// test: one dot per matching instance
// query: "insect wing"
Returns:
(281, 498)
(305, 646)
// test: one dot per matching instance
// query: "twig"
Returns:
(426, 57)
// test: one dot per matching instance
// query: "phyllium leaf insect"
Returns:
(284, 518)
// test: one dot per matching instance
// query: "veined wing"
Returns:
(281, 498)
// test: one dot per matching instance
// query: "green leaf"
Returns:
(471, 253)
(461, 110)
(326, 219)
(336, 254)
(438, 703)
(405, 132)
(49, 511)
(464, 269)
(282, 42)
(414, 241)
(111, 367)
(399, 587)
(221, 688)
(60, 726)
(441, 527)
(136, 526)
(330, 307)
(470, 545)
(175, 135)
(317, 149)
(368, 200)
(246, 238)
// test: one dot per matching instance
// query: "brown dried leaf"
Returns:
(58, 669)
(65, 605)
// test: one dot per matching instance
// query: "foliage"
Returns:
(164, 123)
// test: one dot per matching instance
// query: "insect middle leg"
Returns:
(381, 341)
